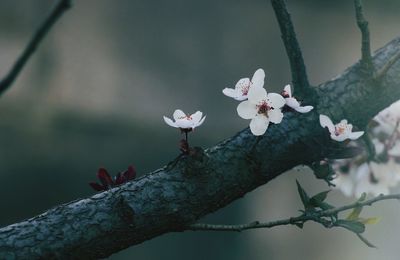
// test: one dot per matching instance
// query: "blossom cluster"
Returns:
(353, 177)
(377, 176)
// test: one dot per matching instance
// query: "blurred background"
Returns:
(94, 94)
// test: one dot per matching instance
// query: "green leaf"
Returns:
(354, 226)
(370, 221)
(321, 196)
(354, 214)
(363, 239)
(305, 199)
(362, 197)
(299, 225)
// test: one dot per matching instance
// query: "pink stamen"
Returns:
(263, 108)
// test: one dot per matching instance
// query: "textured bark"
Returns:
(190, 187)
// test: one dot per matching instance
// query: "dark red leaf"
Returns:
(119, 179)
(97, 187)
(130, 174)
(105, 178)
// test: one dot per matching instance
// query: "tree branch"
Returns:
(298, 69)
(56, 13)
(362, 23)
(293, 220)
(194, 185)
(385, 68)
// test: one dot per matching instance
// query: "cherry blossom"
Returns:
(292, 102)
(340, 131)
(185, 122)
(262, 108)
(243, 86)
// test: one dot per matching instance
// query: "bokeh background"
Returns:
(95, 92)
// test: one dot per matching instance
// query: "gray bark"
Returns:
(190, 187)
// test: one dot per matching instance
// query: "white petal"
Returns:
(184, 123)
(339, 138)
(247, 110)
(325, 121)
(196, 117)
(305, 109)
(242, 83)
(355, 135)
(200, 122)
(288, 90)
(275, 116)
(169, 122)
(256, 95)
(292, 102)
(258, 78)
(230, 92)
(179, 114)
(276, 100)
(259, 125)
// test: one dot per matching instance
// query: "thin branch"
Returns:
(44, 28)
(293, 220)
(362, 23)
(298, 69)
(382, 72)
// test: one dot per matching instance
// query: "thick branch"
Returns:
(56, 13)
(293, 220)
(298, 69)
(202, 182)
(362, 23)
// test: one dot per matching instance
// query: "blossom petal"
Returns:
(169, 122)
(200, 122)
(288, 90)
(179, 114)
(275, 116)
(259, 125)
(339, 138)
(196, 117)
(230, 92)
(242, 83)
(256, 95)
(305, 109)
(325, 121)
(247, 110)
(276, 100)
(355, 135)
(258, 78)
(292, 102)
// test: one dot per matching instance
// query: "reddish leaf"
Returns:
(105, 178)
(97, 187)
(130, 174)
(119, 179)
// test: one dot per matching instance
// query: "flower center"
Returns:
(245, 89)
(339, 130)
(285, 94)
(263, 108)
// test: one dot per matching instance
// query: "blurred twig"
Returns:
(43, 29)
(299, 73)
(366, 59)
(327, 218)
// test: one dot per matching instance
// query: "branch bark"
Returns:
(362, 23)
(175, 196)
(45, 27)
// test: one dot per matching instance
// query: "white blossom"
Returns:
(293, 103)
(185, 122)
(369, 182)
(243, 86)
(262, 108)
(340, 131)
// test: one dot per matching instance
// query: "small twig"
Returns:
(382, 72)
(298, 69)
(362, 23)
(44, 28)
(316, 217)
